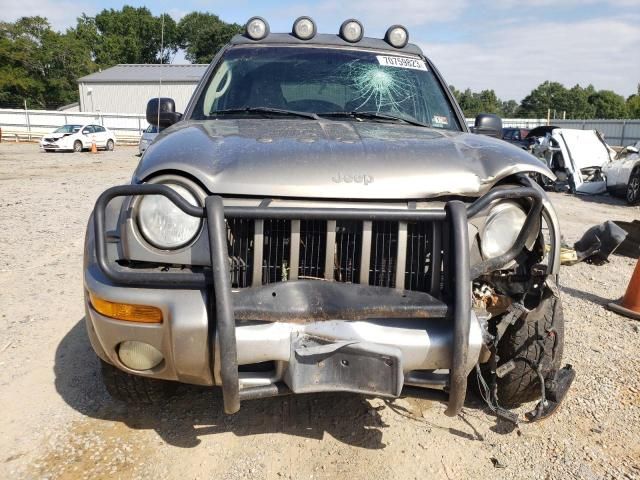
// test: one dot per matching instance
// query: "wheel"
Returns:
(536, 339)
(110, 145)
(77, 146)
(633, 188)
(133, 389)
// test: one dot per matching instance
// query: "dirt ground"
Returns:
(57, 421)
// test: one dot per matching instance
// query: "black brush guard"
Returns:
(455, 213)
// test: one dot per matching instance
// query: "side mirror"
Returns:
(161, 112)
(488, 124)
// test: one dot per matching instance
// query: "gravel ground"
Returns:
(58, 422)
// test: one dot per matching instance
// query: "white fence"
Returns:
(616, 132)
(32, 124)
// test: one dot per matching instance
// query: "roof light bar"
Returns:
(397, 36)
(351, 30)
(257, 28)
(304, 28)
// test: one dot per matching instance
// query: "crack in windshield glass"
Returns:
(380, 88)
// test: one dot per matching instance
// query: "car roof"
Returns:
(324, 39)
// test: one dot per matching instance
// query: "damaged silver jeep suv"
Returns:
(320, 219)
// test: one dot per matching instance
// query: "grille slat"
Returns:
(403, 255)
(330, 253)
(348, 246)
(313, 236)
(419, 263)
(275, 264)
(240, 245)
(383, 254)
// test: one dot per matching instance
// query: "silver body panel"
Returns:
(327, 159)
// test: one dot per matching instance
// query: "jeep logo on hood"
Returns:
(358, 178)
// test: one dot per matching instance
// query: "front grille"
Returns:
(384, 251)
(419, 256)
(348, 249)
(313, 241)
(275, 262)
(240, 233)
(359, 252)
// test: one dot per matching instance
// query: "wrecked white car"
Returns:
(320, 219)
(576, 157)
(623, 174)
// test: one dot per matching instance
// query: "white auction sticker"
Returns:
(402, 62)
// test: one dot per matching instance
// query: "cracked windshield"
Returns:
(328, 82)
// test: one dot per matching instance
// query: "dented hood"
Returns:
(333, 159)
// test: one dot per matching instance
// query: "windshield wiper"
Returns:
(277, 111)
(375, 115)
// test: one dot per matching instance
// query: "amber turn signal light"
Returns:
(125, 311)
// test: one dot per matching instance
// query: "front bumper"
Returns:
(445, 345)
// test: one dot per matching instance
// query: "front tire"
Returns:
(536, 339)
(110, 145)
(633, 188)
(77, 146)
(133, 389)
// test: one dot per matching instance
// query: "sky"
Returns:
(510, 46)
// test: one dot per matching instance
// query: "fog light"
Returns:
(257, 28)
(352, 31)
(139, 356)
(397, 36)
(304, 28)
(125, 311)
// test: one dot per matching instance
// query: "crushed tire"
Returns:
(133, 389)
(520, 343)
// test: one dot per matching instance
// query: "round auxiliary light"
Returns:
(304, 28)
(257, 28)
(397, 36)
(139, 356)
(351, 31)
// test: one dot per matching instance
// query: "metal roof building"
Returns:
(127, 88)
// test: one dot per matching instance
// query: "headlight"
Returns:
(503, 225)
(163, 224)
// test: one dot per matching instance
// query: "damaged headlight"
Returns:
(503, 225)
(163, 224)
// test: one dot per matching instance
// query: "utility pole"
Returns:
(26, 114)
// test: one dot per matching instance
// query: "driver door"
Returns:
(88, 136)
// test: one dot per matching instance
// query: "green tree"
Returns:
(130, 35)
(39, 65)
(203, 34)
(547, 95)
(509, 109)
(578, 105)
(608, 104)
(633, 105)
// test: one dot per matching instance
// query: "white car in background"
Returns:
(576, 157)
(623, 174)
(77, 138)
(147, 137)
